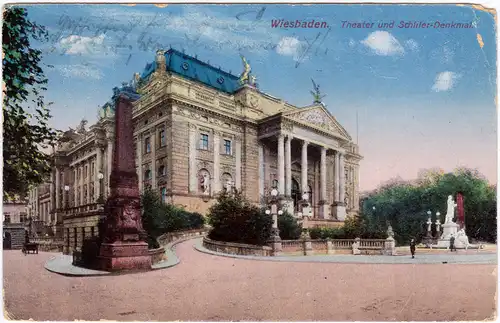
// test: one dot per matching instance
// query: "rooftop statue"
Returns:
(244, 77)
(81, 127)
(316, 93)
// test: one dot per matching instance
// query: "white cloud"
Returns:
(79, 71)
(289, 46)
(383, 43)
(412, 45)
(445, 81)
(352, 43)
(81, 45)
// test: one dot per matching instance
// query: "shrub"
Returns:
(288, 226)
(234, 219)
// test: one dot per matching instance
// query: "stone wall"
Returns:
(193, 203)
(81, 227)
(157, 255)
(309, 223)
(17, 234)
(167, 238)
(250, 164)
(179, 156)
(236, 248)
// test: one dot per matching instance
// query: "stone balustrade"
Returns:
(333, 246)
(83, 209)
(157, 255)
(236, 248)
(50, 244)
(167, 238)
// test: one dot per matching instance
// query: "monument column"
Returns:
(123, 244)
(342, 179)
(281, 164)
(323, 209)
(139, 162)
(153, 158)
(193, 187)
(89, 180)
(216, 181)
(288, 166)
(261, 171)
(238, 163)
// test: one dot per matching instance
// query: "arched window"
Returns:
(274, 183)
(162, 170)
(147, 174)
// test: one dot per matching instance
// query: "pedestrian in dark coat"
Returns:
(412, 248)
(452, 244)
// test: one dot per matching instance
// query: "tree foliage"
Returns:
(405, 205)
(234, 219)
(159, 218)
(25, 113)
(288, 226)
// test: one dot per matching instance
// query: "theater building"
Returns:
(200, 130)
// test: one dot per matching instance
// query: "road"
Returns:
(211, 288)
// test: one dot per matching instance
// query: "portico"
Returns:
(311, 152)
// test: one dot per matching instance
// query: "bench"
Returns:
(27, 247)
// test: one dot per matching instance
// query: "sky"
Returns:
(413, 98)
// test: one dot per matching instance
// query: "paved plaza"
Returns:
(208, 287)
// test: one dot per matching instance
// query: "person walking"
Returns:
(412, 248)
(452, 243)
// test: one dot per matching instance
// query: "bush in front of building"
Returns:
(289, 228)
(159, 218)
(234, 219)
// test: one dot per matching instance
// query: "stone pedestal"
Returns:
(308, 249)
(449, 229)
(324, 210)
(390, 246)
(122, 255)
(338, 211)
(275, 243)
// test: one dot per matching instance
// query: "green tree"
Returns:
(405, 205)
(234, 219)
(25, 113)
(288, 226)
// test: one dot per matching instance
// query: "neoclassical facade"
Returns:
(199, 130)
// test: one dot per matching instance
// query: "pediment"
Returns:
(318, 117)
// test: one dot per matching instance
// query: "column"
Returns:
(304, 167)
(237, 182)
(75, 184)
(193, 187)
(140, 173)
(261, 170)
(337, 177)
(89, 180)
(109, 161)
(288, 166)
(281, 164)
(58, 188)
(153, 158)
(323, 196)
(216, 176)
(98, 166)
(82, 170)
(64, 183)
(341, 179)
(52, 189)
(323, 209)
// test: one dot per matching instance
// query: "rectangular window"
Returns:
(163, 138)
(86, 173)
(147, 143)
(6, 217)
(204, 141)
(23, 217)
(227, 147)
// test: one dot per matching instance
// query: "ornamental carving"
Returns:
(318, 118)
(254, 101)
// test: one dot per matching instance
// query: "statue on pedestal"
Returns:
(450, 212)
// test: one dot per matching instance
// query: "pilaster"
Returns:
(261, 170)
(193, 187)
(140, 172)
(216, 176)
(238, 163)
(281, 163)
(153, 158)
